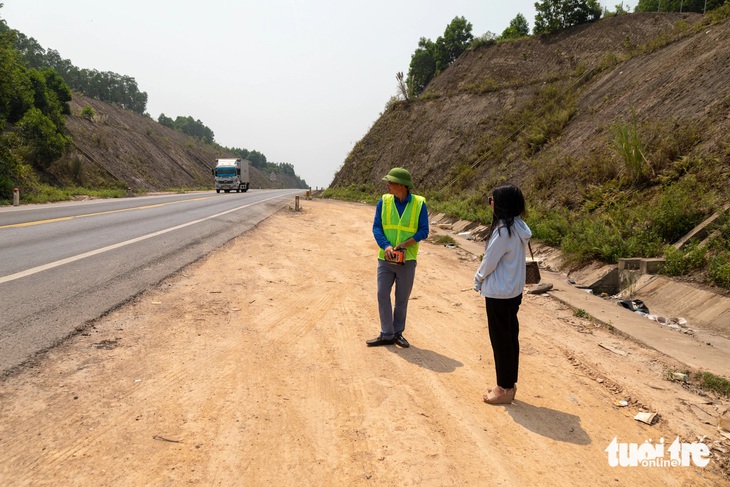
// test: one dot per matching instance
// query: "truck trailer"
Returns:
(231, 174)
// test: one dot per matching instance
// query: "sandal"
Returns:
(497, 395)
(489, 389)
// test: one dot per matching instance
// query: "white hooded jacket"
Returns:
(501, 274)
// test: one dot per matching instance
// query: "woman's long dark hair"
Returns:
(508, 204)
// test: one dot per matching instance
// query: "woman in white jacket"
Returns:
(501, 279)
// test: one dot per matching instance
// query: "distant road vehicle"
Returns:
(231, 174)
(62, 265)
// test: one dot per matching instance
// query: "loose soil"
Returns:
(250, 368)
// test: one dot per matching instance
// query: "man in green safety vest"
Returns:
(401, 222)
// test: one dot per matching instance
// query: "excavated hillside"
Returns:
(542, 111)
(121, 148)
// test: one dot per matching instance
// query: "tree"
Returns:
(677, 5)
(518, 27)
(166, 121)
(581, 11)
(554, 15)
(431, 57)
(453, 43)
(620, 10)
(422, 68)
(41, 138)
(105, 86)
(194, 128)
(257, 159)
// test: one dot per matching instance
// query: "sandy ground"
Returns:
(250, 368)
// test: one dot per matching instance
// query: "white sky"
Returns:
(299, 81)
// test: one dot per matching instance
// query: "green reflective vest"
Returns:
(399, 228)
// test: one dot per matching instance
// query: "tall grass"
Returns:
(628, 145)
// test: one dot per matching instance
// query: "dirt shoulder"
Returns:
(250, 368)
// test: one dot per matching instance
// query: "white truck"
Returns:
(231, 174)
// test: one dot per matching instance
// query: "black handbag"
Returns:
(532, 271)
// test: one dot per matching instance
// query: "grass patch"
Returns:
(443, 240)
(709, 381)
(472, 206)
(359, 193)
(581, 313)
(44, 193)
(706, 381)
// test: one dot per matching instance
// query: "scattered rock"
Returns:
(647, 418)
(540, 288)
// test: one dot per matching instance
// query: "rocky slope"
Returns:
(540, 111)
(119, 147)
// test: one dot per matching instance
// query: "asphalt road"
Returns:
(63, 265)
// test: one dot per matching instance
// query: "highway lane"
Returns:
(63, 265)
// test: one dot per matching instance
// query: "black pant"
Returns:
(504, 330)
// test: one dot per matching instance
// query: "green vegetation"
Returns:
(581, 313)
(628, 144)
(87, 112)
(188, 126)
(676, 5)
(35, 91)
(444, 240)
(554, 15)
(43, 193)
(361, 193)
(431, 58)
(640, 195)
(625, 224)
(518, 27)
(105, 86)
(33, 110)
(706, 381)
(472, 206)
(710, 381)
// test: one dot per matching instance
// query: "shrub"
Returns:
(718, 269)
(88, 112)
(679, 263)
(710, 381)
(44, 144)
(674, 264)
(471, 206)
(548, 227)
(680, 207)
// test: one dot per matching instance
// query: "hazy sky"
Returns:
(300, 82)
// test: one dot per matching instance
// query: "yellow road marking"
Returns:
(68, 260)
(65, 218)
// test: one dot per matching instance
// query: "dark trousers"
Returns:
(504, 330)
(393, 318)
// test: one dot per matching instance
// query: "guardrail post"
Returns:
(296, 203)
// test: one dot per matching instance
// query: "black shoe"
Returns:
(374, 342)
(401, 341)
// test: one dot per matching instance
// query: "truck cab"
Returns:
(231, 175)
